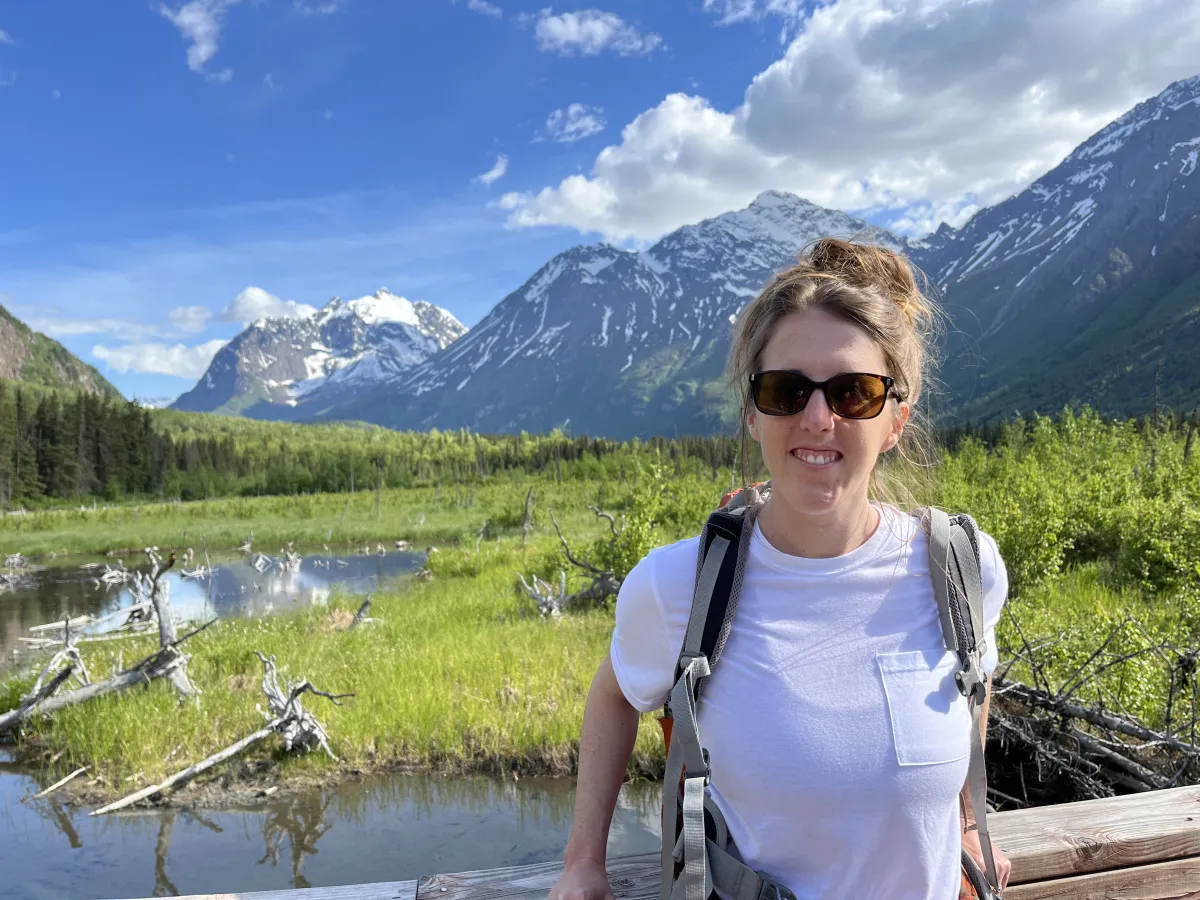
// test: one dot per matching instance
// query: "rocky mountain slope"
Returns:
(277, 363)
(26, 355)
(1080, 287)
(606, 340)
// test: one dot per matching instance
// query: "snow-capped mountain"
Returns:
(609, 340)
(276, 363)
(1079, 287)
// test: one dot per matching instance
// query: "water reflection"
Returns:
(385, 829)
(236, 588)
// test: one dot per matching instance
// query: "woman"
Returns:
(837, 772)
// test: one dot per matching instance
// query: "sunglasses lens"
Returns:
(780, 393)
(857, 396)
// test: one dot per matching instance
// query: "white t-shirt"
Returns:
(839, 739)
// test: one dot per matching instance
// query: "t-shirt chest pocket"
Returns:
(929, 716)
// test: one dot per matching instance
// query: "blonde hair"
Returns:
(876, 289)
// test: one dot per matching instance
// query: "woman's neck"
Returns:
(794, 535)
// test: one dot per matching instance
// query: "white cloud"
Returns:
(575, 123)
(496, 172)
(328, 114)
(7, 78)
(190, 319)
(254, 303)
(311, 8)
(591, 31)
(160, 359)
(918, 107)
(487, 9)
(269, 81)
(53, 323)
(732, 11)
(4, 38)
(199, 21)
(56, 94)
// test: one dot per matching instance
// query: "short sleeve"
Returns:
(643, 651)
(995, 593)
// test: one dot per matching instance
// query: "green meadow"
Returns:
(1098, 523)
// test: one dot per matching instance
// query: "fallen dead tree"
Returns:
(603, 583)
(297, 726)
(167, 662)
(1048, 744)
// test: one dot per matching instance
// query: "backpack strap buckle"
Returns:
(970, 685)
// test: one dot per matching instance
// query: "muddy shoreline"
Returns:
(250, 783)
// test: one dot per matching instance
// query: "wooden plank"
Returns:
(631, 877)
(1175, 880)
(383, 890)
(1067, 839)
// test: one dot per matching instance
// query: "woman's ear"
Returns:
(752, 424)
(898, 423)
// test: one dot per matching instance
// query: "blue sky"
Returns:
(157, 160)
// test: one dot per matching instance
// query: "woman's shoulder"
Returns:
(666, 569)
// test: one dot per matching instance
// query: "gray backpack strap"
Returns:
(694, 833)
(958, 588)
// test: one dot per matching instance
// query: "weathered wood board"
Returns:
(1097, 835)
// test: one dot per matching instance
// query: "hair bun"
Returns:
(870, 266)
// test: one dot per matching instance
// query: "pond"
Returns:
(236, 588)
(392, 828)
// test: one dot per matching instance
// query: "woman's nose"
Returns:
(816, 415)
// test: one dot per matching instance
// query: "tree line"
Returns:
(65, 446)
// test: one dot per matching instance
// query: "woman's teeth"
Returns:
(816, 459)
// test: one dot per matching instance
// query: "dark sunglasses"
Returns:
(851, 395)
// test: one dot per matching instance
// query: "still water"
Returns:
(236, 588)
(387, 829)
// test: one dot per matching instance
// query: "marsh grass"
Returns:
(460, 674)
(419, 515)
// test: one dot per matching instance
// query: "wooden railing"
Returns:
(1135, 847)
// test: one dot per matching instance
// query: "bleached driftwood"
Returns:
(60, 783)
(167, 662)
(287, 718)
(117, 574)
(549, 602)
(604, 583)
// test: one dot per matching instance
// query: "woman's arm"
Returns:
(610, 726)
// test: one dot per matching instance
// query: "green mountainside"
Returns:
(32, 358)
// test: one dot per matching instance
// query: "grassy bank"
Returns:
(1097, 523)
(420, 515)
(460, 673)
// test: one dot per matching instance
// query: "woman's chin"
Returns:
(807, 499)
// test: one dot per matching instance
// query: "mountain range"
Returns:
(1083, 287)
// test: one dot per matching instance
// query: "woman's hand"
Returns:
(583, 879)
(970, 840)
